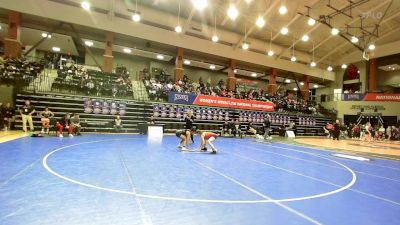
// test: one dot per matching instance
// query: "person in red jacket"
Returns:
(65, 122)
(210, 137)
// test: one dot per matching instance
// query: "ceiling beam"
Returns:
(266, 12)
(351, 22)
(296, 18)
(337, 48)
(299, 39)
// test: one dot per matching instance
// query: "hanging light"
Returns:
(335, 31)
(44, 35)
(160, 57)
(178, 28)
(233, 12)
(329, 68)
(305, 38)
(311, 22)
(212, 66)
(313, 63)
(288, 81)
(187, 62)
(85, 5)
(260, 22)
(245, 44)
(136, 14)
(344, 66)
(215, 37)
(235, 70)
(253, 74)
(316, 86)
(301, 83)
(293, 58)
(284, 30)
(270, 52)
(283, 10)
(295, 89)
(200, 4)
(354, 39)
(371, 47)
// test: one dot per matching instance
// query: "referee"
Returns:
(189, 125)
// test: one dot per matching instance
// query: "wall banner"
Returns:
(206, 100)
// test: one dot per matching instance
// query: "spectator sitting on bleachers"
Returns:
(64, 123)
(76, 124)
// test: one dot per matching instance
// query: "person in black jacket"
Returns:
(237, 129)
(189, 119)
(336, 130)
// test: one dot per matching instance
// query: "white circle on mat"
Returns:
(49, 169)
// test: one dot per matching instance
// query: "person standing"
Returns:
(189, 119)
(8, 115)
(117, 124)
(46, 115)
(336, 130)
(26, 112)
(267, 127)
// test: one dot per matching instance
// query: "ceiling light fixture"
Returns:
(233, 12)
(200, 4)
(253, 74)
(284, 30)
(212, 66)
(288, 81)
(136, 15)
(313, 63)
(44, 35)
(215, 37)
(295, 89)
(344, 66)
(235, 70)
(127, 50)
(335, 31)
(85, 5)
(305, 38)
(56, 49)
(245, 44)
(260, 22)
(371, 47)
(354, 39)
(178, 28)
(311, 22)
(270, 52)
(187, 62)
(89, 43)
(160, 57)
(293, 58)
(301, 83)
(329, 68)
(283, 10)
(316, 86)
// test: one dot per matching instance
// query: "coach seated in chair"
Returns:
(226, 129)
(76, 123)
(237, 129)
(118, 124)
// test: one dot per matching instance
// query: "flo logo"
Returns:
(374, 15)
(181, 97)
